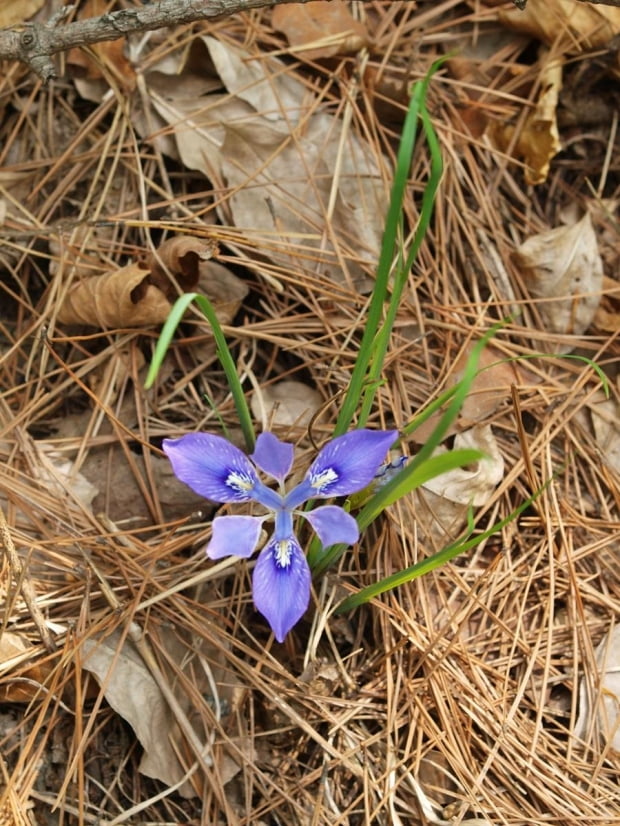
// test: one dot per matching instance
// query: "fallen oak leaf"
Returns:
(563, 267)
(538, 142)
(139, 294)
(567, 26)
(122, 298)
(182, 256)
(320, 30)
(17, 11)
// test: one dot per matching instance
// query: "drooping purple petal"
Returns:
(333, 525)
(281, 585)
(345, 465)
(234, 536)
(273, 456)
(212, 467)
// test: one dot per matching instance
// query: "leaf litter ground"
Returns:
(481, 693)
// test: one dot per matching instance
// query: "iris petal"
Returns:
(234, 536)
(212, 467)
(349, 462)
(273, 456)
(333, 525)
(281, 585)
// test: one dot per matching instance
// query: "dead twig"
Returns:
(35, 43)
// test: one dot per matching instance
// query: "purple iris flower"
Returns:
(213, 467)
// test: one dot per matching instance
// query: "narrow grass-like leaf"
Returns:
(373, 347)
(457, 397)
(411, 477)
(223, 353)
(166, 336)
(381, 342)
(320, 559)
(445, 555)
(393, 222)
(407, 480)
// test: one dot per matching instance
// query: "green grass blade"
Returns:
(412, 477)
(426, 565)
(223, 353)
(407, 480)
(166, 336)
(457, 397)
(388, 246)
(381, 342)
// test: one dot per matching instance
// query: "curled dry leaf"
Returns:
(471, 485)
(442, 503)
(123, 298)
(134, 694)
(137, 295)
(564, 24)
(285, 404)
(320, 30)
(15, 649)
(564, 266)
(182, 256)
(599, 694)
(539, 140)
(18, 11)
(56, 473)
(606, 423)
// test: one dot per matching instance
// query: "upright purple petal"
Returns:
(234, 536)
(273, 456)
(333, 525)
(345, 465)
(212, 467)
(281, 585)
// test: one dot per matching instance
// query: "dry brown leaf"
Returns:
(105, 59)
(492, 385)
(606, 423)
(285, 404)
(121, 497)
(441, 505)
(123, 298)
(226, 291)
(489, 390)
(138, 295)
(133, 693)
(14, 650)
(604, 688)
(539, 140)
(607, 320)
(320, 29)
(56, 473)
(245, 136)
(471, 485)
(564, 266)
(569, 26)
(16, 11)
(182, 256)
